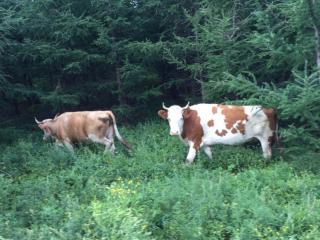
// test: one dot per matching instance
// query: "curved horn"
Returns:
(57, 115)
(37, 120)
(186, 106)
(164, 107)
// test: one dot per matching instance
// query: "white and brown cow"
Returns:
(203, 125)
(71, 127)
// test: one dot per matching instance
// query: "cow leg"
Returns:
(109, 146)
(105, 141)
(191, 154)
(68, 146)
(57, 143)
(112, 149)
(207, 151)
(266, 147)
(110, 137)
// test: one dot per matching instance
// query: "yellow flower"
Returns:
(119, 179)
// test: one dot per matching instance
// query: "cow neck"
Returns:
(192, 129)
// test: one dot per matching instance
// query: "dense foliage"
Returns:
(46, 193)
(59, 55)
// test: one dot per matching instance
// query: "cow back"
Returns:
(76, 126)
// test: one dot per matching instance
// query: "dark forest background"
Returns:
(130, 55)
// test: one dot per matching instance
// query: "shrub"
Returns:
(48, 193)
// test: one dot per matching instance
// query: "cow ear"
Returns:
(186, 113)
(163, 114)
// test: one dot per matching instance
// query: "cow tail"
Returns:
(120, 138)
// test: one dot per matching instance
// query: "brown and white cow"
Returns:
(71, 127)
(203, 125)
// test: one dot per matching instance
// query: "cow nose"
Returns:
(174, 133)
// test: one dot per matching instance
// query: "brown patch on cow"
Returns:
(163, 114)
(272, 118)
(214, 109)
(234, 114)
(210, 123)
(192, 129)
(234, 131)
(222, 133)
(273, 121)
(105, 120)
(241, 127)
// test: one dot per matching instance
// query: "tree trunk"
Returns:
(316, 27)
(317, 46)
(58, 86)
(203, 93)
(199, 74)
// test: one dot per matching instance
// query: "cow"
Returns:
(203, 125)
(71, 127)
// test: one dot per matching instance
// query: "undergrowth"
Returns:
(150, 193)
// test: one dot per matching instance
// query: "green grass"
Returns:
(47, 193)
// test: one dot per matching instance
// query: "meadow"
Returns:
(150, 193)
(129, 56)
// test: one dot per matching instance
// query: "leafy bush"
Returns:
(47, 193)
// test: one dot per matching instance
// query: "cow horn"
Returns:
(57, 115)
(164, 107)
(186, 106)
(37, 120)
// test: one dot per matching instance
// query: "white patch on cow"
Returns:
(265, 147)
(192, 152)
(257, 121)
(175, 120)
(210, 137)
(207, 151)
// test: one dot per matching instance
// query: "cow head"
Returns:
(175, 115)
(44, 126)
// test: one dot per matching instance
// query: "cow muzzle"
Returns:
(46, 136)
(174, 133)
